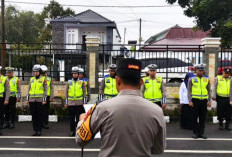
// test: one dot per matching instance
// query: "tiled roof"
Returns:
(87, 16)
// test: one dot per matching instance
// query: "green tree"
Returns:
(52, 11)
(21, 27)
(213, 15)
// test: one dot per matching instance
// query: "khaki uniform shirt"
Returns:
(130, 126)
(43, 99)
(74, 102)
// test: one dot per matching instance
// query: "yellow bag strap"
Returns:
(84, 131)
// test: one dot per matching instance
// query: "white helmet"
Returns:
(146, 70)
(81, 70)
(36, 67)
(44, 68)
(75, 69)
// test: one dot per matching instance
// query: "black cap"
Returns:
(129, 64)
(227, 70)
(129, 70)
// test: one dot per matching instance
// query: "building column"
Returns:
(211, 48)
(92, 62)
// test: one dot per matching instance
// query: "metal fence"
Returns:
(224, 59)
(58, 57)
(173, 60)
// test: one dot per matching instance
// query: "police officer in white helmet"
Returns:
(50, 95)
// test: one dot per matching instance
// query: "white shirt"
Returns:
(183, 94)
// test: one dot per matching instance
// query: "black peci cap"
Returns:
(128, 65)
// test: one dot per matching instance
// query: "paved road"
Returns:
(55, 142)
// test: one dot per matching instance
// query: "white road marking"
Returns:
(97, 150)
(65, 137)
(19, 142)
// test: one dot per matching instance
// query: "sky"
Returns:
(154, 20)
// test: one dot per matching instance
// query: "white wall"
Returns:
(116, 37)
(93, 31)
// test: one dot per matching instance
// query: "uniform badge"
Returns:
(147, 81)
(107, 81)
(70, 83)
(195, 80)
(32, 81)
(158, 80)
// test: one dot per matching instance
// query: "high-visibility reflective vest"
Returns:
(110, 89)
(223, 86)
(86, 84)
(49, 80)
(75, 90)
(153, 89)
(2, 85)
(37, 87)
(199, 87)
(144, 78)
(13, 86)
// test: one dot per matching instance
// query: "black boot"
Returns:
(0, 132)
(227, 127)
(221, 125)
(35, 133)
(11, 125)
(72, 134)
(6, 125)
(38, 133)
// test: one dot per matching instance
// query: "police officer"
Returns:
(50, 95)
(199, 96)
(130, 125)
(153, 87)
(4, 97)
(81, 77)
(74, 99)
(15, 96)
(222, 94)
(107, 87)
(37, 96)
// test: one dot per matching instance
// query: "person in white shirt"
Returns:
(186, 121)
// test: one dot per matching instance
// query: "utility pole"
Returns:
(140, 32)
(124, 40)
(3, 54)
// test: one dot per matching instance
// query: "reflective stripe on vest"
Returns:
(75, 90)
(37, 87)
(199, 87)
(49, 80)
(223, 86)
(153, 89)
(2, 85)
(13, 86)
(110, 86)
